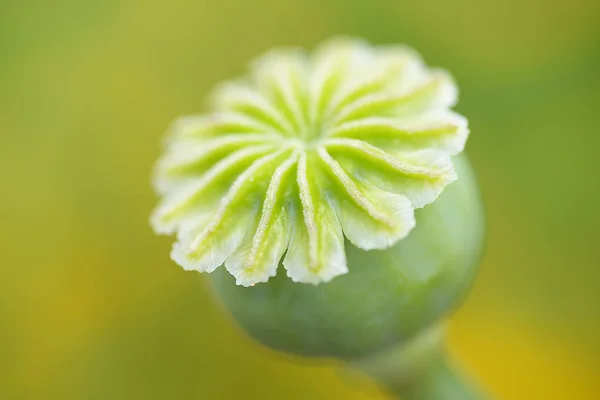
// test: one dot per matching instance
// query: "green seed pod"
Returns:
(313, 190)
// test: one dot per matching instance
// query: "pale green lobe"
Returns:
(186, 161)
(306, 151)
(420, 176)
(218, 123)
(200, 194)
(241, 98)
(441, 130)
(370, 218)
(432, 95)
(316, 250)
(212, 243)
(331, 61)
(281, 75)
(257, 259)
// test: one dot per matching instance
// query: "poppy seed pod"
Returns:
(327, 195)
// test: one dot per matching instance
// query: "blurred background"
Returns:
(91, 307)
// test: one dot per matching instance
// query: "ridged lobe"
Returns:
(316, 250)
(257, 259)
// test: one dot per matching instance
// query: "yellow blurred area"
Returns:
(92, 307)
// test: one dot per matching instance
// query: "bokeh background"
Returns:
(91, 307)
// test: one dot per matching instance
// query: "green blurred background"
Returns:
(91, 307)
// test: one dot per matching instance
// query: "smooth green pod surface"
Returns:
(388, 295)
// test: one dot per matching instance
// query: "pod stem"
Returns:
(421, 370)
(441, 381)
